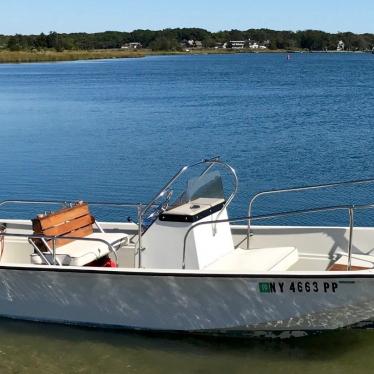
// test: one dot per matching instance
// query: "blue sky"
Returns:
(35, 16)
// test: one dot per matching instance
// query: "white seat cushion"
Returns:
(364, 261)
(82, 252)
(262, 259)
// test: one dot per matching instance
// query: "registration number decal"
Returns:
(298, 287)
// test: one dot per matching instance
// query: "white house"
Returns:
(340, 46)
(193, 44)
(132, 46)
(237, 44)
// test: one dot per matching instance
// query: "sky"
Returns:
(36, 16)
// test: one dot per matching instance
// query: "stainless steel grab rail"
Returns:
(143, 208)
(138, 207)
(350, 208)
(298, 189)
(54, 238)
(180, 172)
(210, 162)
(66, 203)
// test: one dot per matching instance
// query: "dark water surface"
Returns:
(34, 348)
(117, 130)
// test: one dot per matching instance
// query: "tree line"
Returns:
(172, 39)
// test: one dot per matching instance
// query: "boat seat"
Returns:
(69, 225)
(358, 262)
(261, 259)
(80, 253)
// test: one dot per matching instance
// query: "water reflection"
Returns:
(33, 347)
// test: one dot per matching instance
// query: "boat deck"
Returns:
(271, 248)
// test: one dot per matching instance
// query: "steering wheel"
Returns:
(163, 205)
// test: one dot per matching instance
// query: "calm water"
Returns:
(116, 130)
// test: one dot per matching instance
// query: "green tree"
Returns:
(164, 44)
(17, 43)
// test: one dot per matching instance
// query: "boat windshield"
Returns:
(208, 185)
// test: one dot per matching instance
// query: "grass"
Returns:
(53, 56)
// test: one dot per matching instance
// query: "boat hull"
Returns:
(187, 301)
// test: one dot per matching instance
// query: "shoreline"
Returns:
(9, 57)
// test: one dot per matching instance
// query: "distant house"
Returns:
(198, 44)
(193, 44)
(135, 45)
(254, 45)
(237, 44)
(340, 46)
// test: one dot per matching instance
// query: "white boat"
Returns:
(185, 266)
